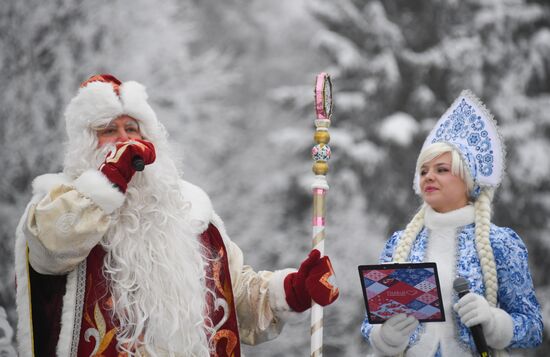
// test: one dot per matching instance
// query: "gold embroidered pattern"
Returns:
(231, 341)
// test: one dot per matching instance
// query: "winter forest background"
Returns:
(233, 82)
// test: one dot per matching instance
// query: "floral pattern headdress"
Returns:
(469, 127)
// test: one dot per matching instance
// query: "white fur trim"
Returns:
(96, 186)
(96, 103)
(134, 103)
(217, 221)
(502, 331)
(43, 184)
(64, 345)
(23, 296)
(277, 297)
(202, 212)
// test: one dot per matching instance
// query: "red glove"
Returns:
(118, 165)
(311, 281)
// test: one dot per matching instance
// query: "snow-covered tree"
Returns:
(233, 83)
(398, 65)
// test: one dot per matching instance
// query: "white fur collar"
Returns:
(453, 219)
(201, 207)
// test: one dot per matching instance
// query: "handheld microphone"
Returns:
(462, 287)
(138, 163)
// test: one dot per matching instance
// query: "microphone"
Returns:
(138, 163)
(462, 287)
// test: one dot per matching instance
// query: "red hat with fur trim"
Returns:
(102, 98)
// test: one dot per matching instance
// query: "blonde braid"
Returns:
(483, 245)
(414, 227)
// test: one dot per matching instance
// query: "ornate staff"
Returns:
(321, 155)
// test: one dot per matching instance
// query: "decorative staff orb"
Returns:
(321, 136)
(321, 152)
(320, 168)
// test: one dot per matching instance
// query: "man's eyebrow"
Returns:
(107, 126)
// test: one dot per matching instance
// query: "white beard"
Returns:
(155, 269)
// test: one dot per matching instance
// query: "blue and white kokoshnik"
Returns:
(471, 129)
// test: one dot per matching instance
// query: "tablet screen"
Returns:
(411, 288)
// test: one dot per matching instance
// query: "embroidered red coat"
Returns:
(62, 294)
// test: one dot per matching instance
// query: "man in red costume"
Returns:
(118, 256)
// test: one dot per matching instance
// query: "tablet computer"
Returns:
(411, 288)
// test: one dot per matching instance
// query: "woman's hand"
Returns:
(392, 337)
(497, 324)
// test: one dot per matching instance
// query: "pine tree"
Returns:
(397, 65)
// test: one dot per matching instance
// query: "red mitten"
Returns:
(310, 282)
(118, 166)
(320, 283)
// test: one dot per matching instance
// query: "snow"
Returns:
(233, 84)
(399, 128)
(532, 165)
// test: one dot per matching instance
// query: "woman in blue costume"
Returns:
(459, 167)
